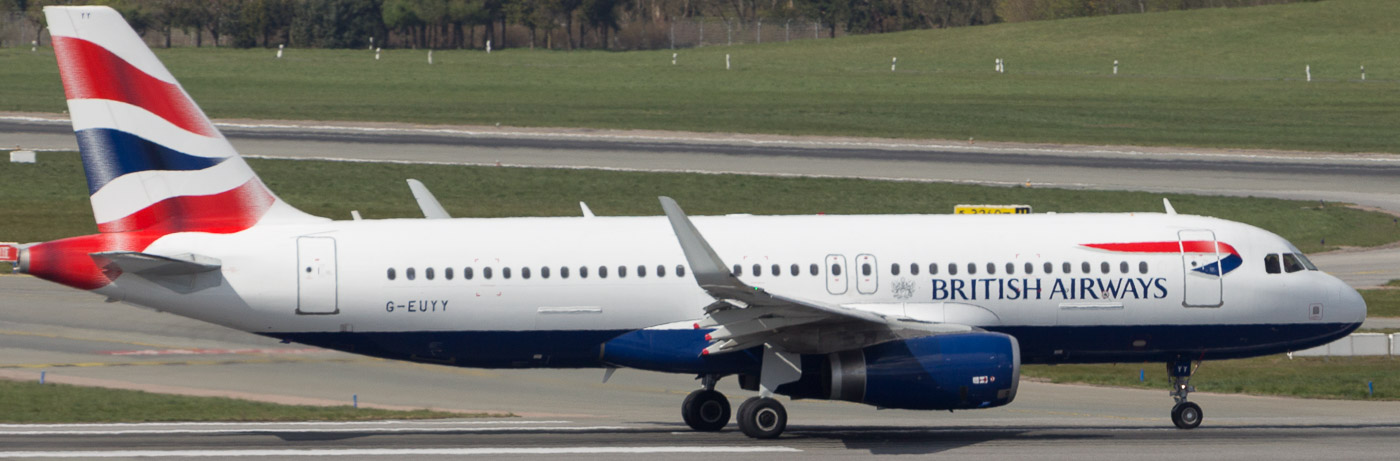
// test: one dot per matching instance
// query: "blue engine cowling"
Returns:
(940, 372)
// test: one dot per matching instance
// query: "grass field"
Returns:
(1335, 378)
(31, 402)
(1382, 303)
(49, 199)
(1211, 77)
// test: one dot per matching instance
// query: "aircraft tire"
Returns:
(762, 418)
(1187, 415)
(705, 411)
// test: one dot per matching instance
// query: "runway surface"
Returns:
(74, 337)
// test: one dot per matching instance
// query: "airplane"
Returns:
(932, 312)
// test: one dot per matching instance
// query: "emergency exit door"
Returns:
(316, 276)
(1203, 286)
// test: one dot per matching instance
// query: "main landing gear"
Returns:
(707, 410)
(1186, 415)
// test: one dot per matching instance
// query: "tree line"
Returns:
(556, 24)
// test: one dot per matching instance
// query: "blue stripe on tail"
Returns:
(109, 154)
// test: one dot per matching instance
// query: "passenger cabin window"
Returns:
(391, 274)
(505, 272)
(757, 270)
(865, 269)
(409, 273)
(641, 271)
(602, 272)
(991, 268)
(913, 268)
(428, 273)
(1049, 268)
(894, 269)
(952, 269)
(660, 270)
(1084, 267)
(796, 271)
(776, 270)
(486, 272)
(621, 271)
(544, 271)
(680, 270)
(1030, 268)
(1123, 267)
(467, 273)
(932, 268)
(563, 272)
(738, 271)
(1291, 263)
(814, 270)
(448, 273)
(1142, 267)
(835, 269)
(583, 272)
(1010, 268)
(525, 272)
(1104, 267)
(971, 268)
(1065, 267)
(1271, 265)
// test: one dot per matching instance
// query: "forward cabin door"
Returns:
(1198, 250)
(836, 274)
(316, 276)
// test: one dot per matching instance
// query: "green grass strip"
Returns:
(1330, 378)
(49, 199)
(1211, 77)
(31, 402)
(1382, 303)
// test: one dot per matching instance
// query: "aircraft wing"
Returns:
(184, 274)
(745, 316)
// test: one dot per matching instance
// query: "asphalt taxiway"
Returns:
(75, 337)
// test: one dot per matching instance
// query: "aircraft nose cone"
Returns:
(1351, 306)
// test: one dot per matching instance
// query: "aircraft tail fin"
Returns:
(154, 161)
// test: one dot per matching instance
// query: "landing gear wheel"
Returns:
(762, 418)
(705, 410)
(1187, 415)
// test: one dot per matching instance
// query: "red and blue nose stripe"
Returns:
(1229, 261)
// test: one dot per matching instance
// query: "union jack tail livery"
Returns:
(153, 160)
(155, 164)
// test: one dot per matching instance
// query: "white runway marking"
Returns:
(385, 430)
(390, 452)
(288, 423)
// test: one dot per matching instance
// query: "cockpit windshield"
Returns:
(1275, 263)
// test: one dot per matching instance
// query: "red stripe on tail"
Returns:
(91, 72)
(222, 213)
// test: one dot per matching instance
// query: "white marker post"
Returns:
(33, 46)
(1363, 72)
(430, 57)
(371, 43)
(673, 59)
(1115, 67)
(893, 61)
(1307, 70)
(376, 54)
(726, 61)
(488, 47)
(279, 51)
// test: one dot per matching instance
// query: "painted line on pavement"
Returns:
(271, 423)
(393, 452)
(386, 430)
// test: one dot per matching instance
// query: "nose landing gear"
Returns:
(1186, 415)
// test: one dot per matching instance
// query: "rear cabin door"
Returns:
(316, 276)
(867, 274)
(1199, 250)
(836, 274)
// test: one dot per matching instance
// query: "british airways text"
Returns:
(1060, 288)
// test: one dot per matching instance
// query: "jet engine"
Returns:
(939, 372)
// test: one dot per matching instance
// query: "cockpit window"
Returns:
(1291, 263)
(1306, 263)
(1271, 263)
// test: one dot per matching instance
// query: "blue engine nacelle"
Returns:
(939, 372)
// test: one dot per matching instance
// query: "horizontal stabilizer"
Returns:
(186, 273)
